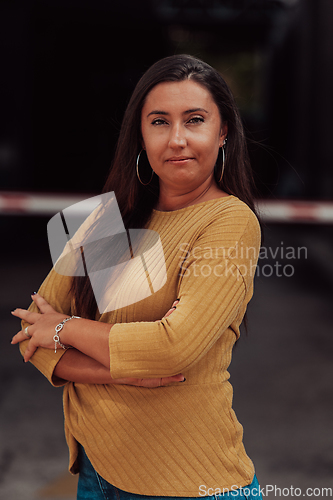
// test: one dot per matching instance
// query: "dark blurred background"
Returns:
(68, 68)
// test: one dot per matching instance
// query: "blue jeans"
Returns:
(92, 486)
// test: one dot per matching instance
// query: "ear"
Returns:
(223, 134)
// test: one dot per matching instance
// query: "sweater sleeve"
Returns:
(215, 284)
(54, 289)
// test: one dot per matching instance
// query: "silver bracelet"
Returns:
(56, 337)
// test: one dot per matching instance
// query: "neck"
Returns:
(170, 200)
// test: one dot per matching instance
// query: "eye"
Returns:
(196, 119)
(158, 121)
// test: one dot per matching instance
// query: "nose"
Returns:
(177, 138)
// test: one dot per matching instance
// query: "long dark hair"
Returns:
(137, 201)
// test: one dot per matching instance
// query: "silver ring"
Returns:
(26, 332)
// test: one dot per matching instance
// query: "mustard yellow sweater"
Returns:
(172, 440)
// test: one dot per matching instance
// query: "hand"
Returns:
(42, 330)
(149, 382)
(170, 311)
(42, 326)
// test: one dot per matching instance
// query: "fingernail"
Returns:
(33, 293)
(183, 380)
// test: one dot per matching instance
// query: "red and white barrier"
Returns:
(283, 211)
(18, 203)
(313, 212)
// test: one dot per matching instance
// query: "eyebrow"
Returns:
(187, 112)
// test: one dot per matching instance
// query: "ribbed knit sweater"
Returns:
(172, 440)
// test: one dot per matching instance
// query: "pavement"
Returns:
(282, 370)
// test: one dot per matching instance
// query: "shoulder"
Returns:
(230, 224)
(230, 212)
(226, 218)
(228, 204)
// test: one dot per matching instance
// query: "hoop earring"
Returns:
(223, 158)
(137, 171)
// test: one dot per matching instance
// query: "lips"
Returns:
(180, 158)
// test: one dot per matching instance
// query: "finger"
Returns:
(172, 309)
(24, 334)
(19, 337)
(42, 304)
(174, 378)
(30, 317)
(169, 312)
(138, 382)
(166, 314)
(30, 350)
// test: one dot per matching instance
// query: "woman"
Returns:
(180, 169)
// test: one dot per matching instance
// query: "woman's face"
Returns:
(182, 133)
